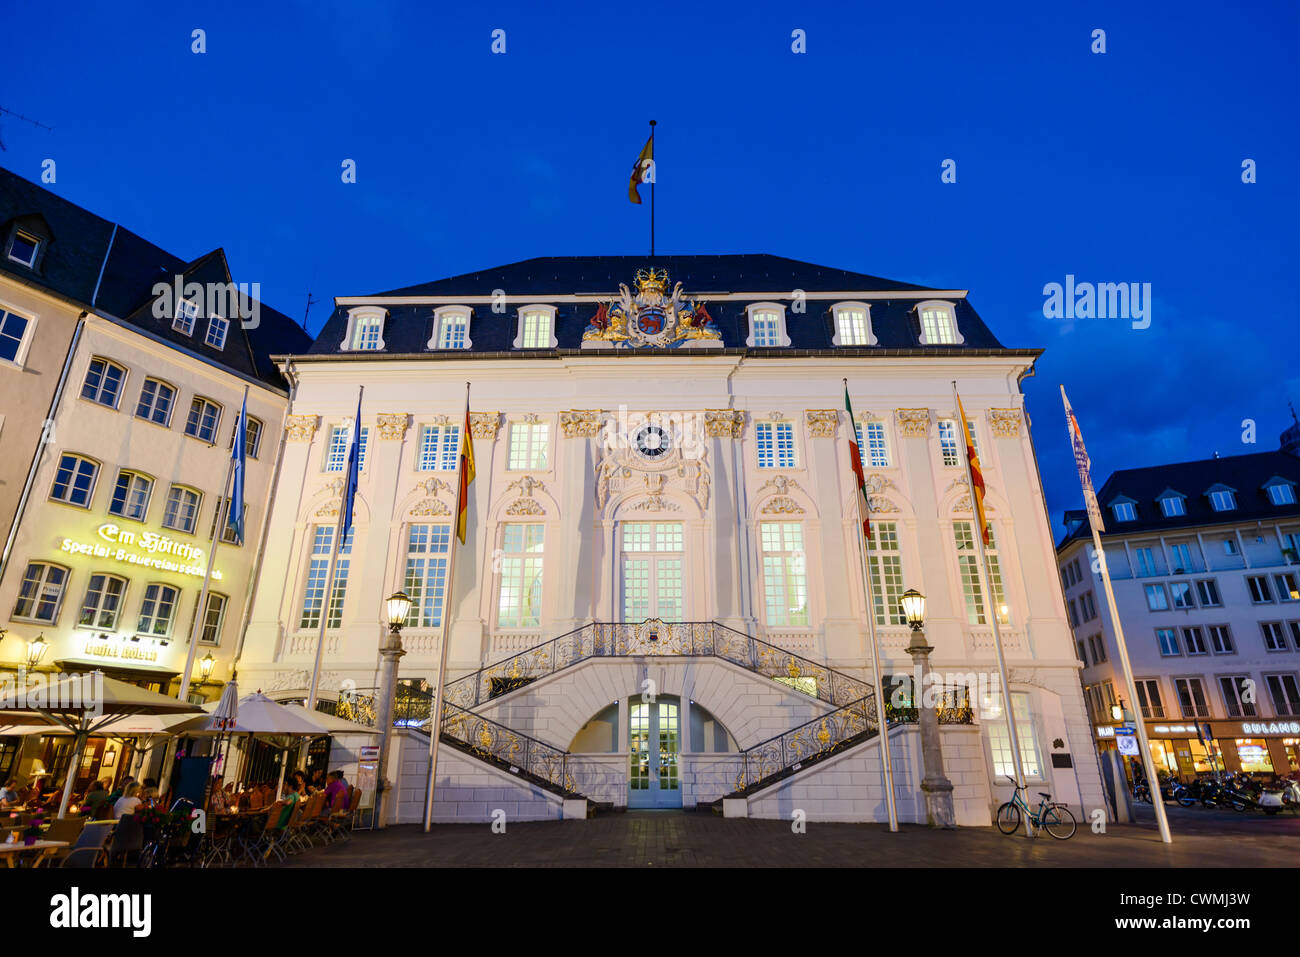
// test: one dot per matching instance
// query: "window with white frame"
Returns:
(155, 405)
(1295, 633)
(1157, 598)
(529, 445)
(886, 566)
(519, 596)
(439, 448)
(216, 334)
(1285, 692)
(365, 330)
(775, 444)
(252, 436)
(158, 609)
(1124, 511)
(103, 602)
(103, 382)
(24, 248)
(873, 447)
(1181, 557)
(852, 324)
(203, 419)
(1223, 500)
(41, 592)
(938, 324)
(949, 443)
(1207, 590)
(1146, 560)
(1173, 506)
(131, 495)
(318, 571)
(1181, 592)
(336, 450)
(1287, 589)
(785, 575)
(1000, 740)
(1259, 590)
(427, 550)
(1282, 493)
(1191, 697)
(1194, 641)
(1221, 640)
(182, 511)
(186, 313)
(1167, 639)
(14, 337)
(536, 328)
(1148, 692)
(968, 568)
(450, 328)
(767, 325)
(222, 514)
(213, 618)
(74, 480)
(1274, 636)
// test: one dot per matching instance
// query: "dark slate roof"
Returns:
(79, 241)
(1246, 474)
(408, 328)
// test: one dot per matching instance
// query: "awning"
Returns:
(110, 666)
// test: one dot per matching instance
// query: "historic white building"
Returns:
(661, 601)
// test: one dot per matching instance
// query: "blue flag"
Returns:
(354, 473)
(235, 507)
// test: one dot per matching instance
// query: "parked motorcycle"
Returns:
(1171, 789)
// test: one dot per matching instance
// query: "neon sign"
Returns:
(147, 548)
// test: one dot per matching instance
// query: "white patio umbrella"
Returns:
(331, 724)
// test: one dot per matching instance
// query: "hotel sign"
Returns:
(107, 649)
(149, 549)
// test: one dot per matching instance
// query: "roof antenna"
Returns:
(1291, 405)
(307, 311)
(25, 119)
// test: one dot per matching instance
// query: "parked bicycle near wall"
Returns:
(1055, 819)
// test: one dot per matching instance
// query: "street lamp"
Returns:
(396, 607)
(935, 785)
(36, 651)
(205, 667)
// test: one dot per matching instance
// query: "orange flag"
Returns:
(466, 474)
(976, 476)
(647, 155)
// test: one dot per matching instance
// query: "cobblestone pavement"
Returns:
(1202, 838)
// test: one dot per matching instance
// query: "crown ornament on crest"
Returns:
(652, 317)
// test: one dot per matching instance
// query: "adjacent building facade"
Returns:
(1203, 559)
(661, 599)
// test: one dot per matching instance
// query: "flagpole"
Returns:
(986, 590)
(887, 762)
(333, 568)
(435, 716)
(1153, 781)
(653, 177)
(200, 611)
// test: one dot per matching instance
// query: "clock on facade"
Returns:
(653, 441)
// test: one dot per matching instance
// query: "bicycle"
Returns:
(1055, 819)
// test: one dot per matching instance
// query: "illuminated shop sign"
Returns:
(129, 651)
(1271, 727)
(150, 549)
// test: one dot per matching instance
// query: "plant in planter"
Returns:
(32, 833)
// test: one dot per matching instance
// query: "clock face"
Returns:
(653, 441)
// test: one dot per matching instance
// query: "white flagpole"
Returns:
(1153, 781)
(435, 716)
(200, 611)
(986, 591)
(887, 761)
(333, 566)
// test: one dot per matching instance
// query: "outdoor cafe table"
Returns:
(44, 849)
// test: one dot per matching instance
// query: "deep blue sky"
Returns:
(1117, 167)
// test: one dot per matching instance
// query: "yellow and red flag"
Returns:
(466, 474)
(855, 458)
(638, 171)
(976, 476)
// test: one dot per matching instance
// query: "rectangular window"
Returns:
(1191, 698)
(785, 582)
(213, 618)
(1124, 512)
(1172, 506)
(1285, 694)
(103, 382)
(1259, 590)
(186, 313)
(1167, 639)
(766, 330)
(222, 514)
(1221, 640)
(1287, 590)
(1157, 600)
(886, 574)
(1295, 633)
(519, 603)
(427, 551)
(1074, 614)
(439, 448)
(872, 446)
(775, 443)
(203, 419)
(23, 249)
(317, 574)
(1000, 742)
(1281, 494)
(938, 327)
(1223, 500)
(216, 334)
(158, 609)
(13, 328)
(1229, 546)
(1148, 692)
(537, 330)
(131, 496)
(1146, 561)
(852, 327)
(1087, 606)
(1238, 696)
(74, 481)
(365, 335)
(948, 443)
(1181, 556)
(182, 511)
(452, 331)
(102, 603)
(155, 402)
(41, 592)
(968, 568)
(1207, 590)
(252, 436)
(336, 454)
(1194, 641)
(529, 445)
(1274, 638)
(1182, 594)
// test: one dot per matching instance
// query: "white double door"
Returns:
(653, 568)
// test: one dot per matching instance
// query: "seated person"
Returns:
(128, 802)
(9, 794)
(94, 799)
(336, 792)
(291, 798)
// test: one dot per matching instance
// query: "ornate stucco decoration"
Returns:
(782, 505)
(430, 506)
(525, 504)
(1004, 423)
(581, 423)
(392, 425)
(289, 680)
(432, 486)
(963, 505)
(876, 484)
(300, 428)
(822, 422)
(724, 423)
(329, 508)
(654, 503)
(781, 484)
(651, 317)
(682, 468)
(484, 425)
(913, 423)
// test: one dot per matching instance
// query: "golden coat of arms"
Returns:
(652, 316)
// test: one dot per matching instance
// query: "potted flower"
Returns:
(149, 818)
(32, 833)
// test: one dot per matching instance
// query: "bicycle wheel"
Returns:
(1008, 818)
(1058, 822)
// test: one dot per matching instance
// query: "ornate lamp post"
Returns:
(36, 649)
(934, 785)
(396, 607)
(205, 668)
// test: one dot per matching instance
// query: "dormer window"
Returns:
(24, 248)
(1280, 491)
(186, 313)
(365, 330)
(536, 328)
(1124, 511)
(938, 324)
(1172, 505)
(852, 324)
(450, 328)
(1222, 498)
(767, 325)
(216, 334)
